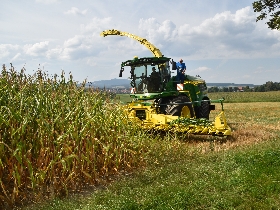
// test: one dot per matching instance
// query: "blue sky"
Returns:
(217, 39)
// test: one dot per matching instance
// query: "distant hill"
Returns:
(125, 83)
(110, 83)
(229, 85)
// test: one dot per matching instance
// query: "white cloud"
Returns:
(97, 25)
(226, 35)
(7, 50)
(167, 28)
(75, 11)
(74, 42)
(16, 57)
(36, 49)
(73, 51)
(246, 76)
(47, 1)
(184, 30)
(158, 32)
(91, 62)
(54, 53)
(261, 70)
(149, 24)
(213, 39)
(86, 44)
(227, 23)
(202, 68)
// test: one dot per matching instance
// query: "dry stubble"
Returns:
(251, 123)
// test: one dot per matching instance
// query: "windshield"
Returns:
(150, 78)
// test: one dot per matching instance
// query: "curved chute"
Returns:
(143, 41)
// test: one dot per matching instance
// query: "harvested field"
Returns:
(251, 123)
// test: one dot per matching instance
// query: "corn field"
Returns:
(56, 136)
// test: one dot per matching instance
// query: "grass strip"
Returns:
(243, 178)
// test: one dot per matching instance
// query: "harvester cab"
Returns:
(165, 102)
(148, 75)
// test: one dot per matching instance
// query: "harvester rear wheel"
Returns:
(176, 107)
(204, 110)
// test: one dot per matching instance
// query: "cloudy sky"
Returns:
(217, 39)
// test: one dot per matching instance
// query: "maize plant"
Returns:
(57, 136)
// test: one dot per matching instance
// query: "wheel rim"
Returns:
(186, 112)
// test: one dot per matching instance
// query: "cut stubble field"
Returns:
(251, 123)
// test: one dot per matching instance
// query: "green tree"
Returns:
(213, 89)
(268, 86)
(271, 8)
(235, 89)
(247, 89)
(225, 89)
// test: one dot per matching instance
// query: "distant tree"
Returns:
(213, 89)
(271, 86)
(257, 89)
(268, 86)
(260, 88)
(247, 89)
(271, 8)
(278, 85)
(225, 89)
(235, 89)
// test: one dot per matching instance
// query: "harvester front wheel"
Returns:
(204, 110)
(180, 106)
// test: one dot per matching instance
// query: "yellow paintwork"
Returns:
(186, 112)
(162, 122)
(143, 41)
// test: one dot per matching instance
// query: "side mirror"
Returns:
(121, 71)
(174, 67)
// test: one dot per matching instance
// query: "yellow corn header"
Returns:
(147, 116)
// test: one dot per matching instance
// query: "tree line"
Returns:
(268, 86)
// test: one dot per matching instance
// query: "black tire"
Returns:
(204, 110)
(175, 106)
(162, 103)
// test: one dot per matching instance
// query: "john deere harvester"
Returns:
(164, 102)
